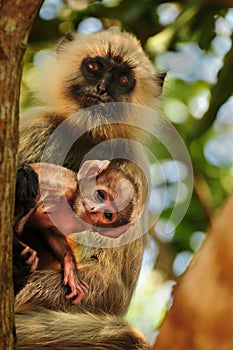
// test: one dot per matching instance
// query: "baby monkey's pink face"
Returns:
(105, 198)
(101, 200)
(99, 207)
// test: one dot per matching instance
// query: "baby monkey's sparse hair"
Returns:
(87, 70)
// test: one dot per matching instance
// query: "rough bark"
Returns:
(16, 18)
(201, 317)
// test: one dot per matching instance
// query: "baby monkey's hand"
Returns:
(78, 287)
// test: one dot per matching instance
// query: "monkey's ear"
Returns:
(160, 79)
(92, 168)
(70, 36)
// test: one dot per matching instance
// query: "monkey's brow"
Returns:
(114, 60)
(117, 57)
(119, 60)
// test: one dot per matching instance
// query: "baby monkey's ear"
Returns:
(92, 168)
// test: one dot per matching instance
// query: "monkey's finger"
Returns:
(34, 264)
(72, 294)
(26, 251)
(84, 287)
(81, 286)
(80, 295)
(33, 261)
(31, 258)
(69, 279)
(76, 289)
(66, 277)
(78, 299)
(82, 290)
(29, 252)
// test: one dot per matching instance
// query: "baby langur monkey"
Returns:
(98, 196)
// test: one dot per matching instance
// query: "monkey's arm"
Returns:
(40, 224)
(25, 259)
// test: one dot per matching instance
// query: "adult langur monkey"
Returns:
(82, 72)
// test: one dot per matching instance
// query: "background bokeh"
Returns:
(192, 42)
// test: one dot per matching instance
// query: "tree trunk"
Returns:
(201, 317)
(16, 19)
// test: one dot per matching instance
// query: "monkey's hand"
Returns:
(25, 262)
(30, 258)
(24, 257)
(71, 278)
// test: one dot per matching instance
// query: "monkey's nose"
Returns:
(101, 89)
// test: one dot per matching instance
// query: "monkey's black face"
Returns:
(103, 80)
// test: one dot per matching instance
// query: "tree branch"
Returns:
(16, 19)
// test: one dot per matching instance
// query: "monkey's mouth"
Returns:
(92, 100)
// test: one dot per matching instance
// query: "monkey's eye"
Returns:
(108, 215)
(94, 67)
(123, 79)
(100, 196)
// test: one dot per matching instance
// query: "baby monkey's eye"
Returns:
(100, 196)
(108, 215)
